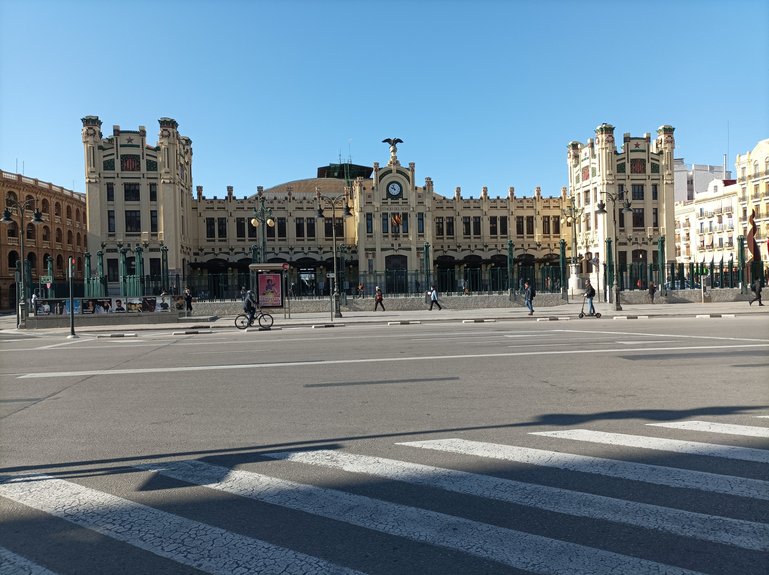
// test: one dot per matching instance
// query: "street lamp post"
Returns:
(626, 209)
(571, 213)
(332, 201)
(37, 218)
(262, 218)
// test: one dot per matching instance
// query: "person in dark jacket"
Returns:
(756, 287)
(528, 296)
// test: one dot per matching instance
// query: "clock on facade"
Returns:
(394, 189)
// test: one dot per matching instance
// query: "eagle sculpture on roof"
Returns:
(393, 150)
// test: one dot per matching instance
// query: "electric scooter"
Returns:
(582, 311)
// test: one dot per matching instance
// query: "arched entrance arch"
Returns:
(396, 274)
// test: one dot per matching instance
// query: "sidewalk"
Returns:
(564, 312)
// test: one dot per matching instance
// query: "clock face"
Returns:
(394, 189)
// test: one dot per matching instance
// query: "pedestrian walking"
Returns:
(528, 296)
(188, 300)
(756, 288)
(652, 291)
(378, 299)
(434, 298)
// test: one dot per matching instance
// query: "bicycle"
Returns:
(265, 320)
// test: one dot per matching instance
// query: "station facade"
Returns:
(400, 233)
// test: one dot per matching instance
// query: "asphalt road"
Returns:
(436, 448)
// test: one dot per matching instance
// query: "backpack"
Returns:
(591, 292)
(533, 291)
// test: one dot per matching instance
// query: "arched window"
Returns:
(32, 259)
(60, 263)
(30, 201)
(69, 212)
(57, 209)
(46, 206)
(46, 234)
(13, 257)
(77, 243)
(77, 215)
(58, 235)
(10, 198)
(69, 238)
(13, 230)
(755, 168)
(31, 232)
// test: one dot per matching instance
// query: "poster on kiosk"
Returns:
(270, 290)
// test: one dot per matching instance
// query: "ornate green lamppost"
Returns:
(37, 218)
(626, 209)
(262, 217)
(332, 201)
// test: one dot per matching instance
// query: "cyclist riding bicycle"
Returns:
(249, 305)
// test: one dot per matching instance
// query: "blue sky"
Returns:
(483, 92)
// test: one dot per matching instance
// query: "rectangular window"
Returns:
(153, 192)
(282, 228)
(503, 226)
(519, 225)
(493, 229)
(250, 230)
(133, 221)
(155, 267)
(240, 228)
(450, 226)
(112, 270)
(299, 227)
(210, 228)
(111, 221)
(556, 226)
(546, 225)
(405, 222)
(270, 231)
(310, 228)
(638, 191)
(466, 226)
(369, 223)
(638, 218)
(328, 230)
(110, 192)
(221, 227)
(655, 217)
(385, 223)
(439, 227)
(655, 191)
(131, 191)
(421, 223)
(476, 225)
(153, 221)
(529, 225)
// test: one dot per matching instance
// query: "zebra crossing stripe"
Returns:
(12, 564)
(197, 545)
(520, 550)
(727, 429)
(660, 444)
(646, 473)
(735, 532)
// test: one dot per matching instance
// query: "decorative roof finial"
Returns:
(393, 150)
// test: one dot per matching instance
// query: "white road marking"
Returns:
(727, 429)
(520, 550)
(13, 564)
(736, 532)
(645, 473)
(668, 335)
(188, 542)
(660, 444)
(388, 360)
